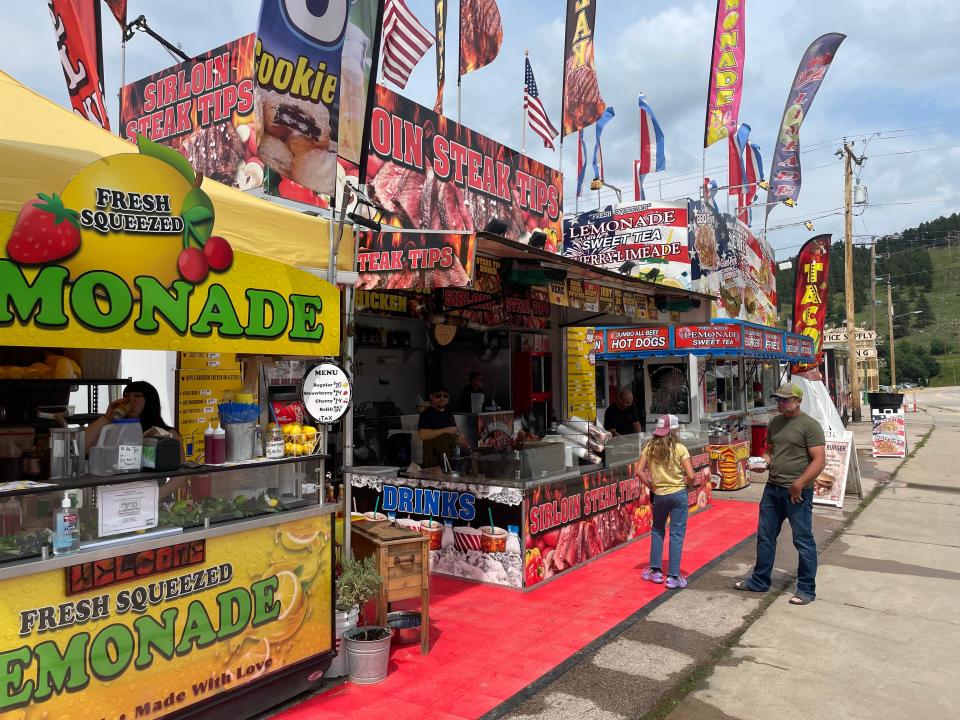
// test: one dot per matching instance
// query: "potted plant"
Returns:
(346, 611)
(367, 648)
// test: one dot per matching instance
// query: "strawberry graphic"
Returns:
(45, 231)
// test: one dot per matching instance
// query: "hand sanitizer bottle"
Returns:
(66, 528)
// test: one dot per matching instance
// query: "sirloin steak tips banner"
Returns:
(297, 57)
(645, 240)
(202, 108)
(430, 173)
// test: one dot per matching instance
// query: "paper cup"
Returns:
(374, 517)
(433, 530)
(467, 538)
(409, 523)
(493, 540)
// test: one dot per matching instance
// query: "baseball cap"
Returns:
(789, 390)
(665, 424)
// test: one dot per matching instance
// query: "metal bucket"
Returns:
(240, 440)
(367, 660)
(344, 621)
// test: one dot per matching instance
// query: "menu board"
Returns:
(831, 484)
(889, 433)
(326, 392)
(581, 375)
(198, 394)
(206, 361)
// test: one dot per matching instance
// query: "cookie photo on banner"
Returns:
(297, 58)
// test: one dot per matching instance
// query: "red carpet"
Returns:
(489, 643)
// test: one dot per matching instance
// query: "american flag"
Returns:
(581, 160)
(753, 165)
(405, 42)
(536, 115)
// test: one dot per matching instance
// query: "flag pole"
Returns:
(459, 58)
(523, 124)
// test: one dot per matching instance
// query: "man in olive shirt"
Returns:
(621, 417)
(795, 457)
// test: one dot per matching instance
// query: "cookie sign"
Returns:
(326, 392)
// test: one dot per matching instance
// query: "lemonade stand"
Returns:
(200, 590)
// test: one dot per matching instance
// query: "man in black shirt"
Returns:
(621, 417)
(438, 429)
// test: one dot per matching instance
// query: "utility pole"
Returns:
(848, 159)
(873, 286)
(893, 347)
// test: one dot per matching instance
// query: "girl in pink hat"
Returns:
(671, 471)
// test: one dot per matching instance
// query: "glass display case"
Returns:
(157, 504)
(723, 386)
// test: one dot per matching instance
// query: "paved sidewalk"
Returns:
(662, 652)
(880, 641)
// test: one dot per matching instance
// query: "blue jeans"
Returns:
(775, 507)
(674, 506)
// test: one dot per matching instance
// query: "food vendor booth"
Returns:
(542, 487)
(144, 572)
(718, 378)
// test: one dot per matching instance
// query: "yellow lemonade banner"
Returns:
(126, 256)
(148, 634)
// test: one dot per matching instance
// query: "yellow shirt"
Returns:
(668, 479)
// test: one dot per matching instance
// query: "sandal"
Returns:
(744, 586)
(800, 600)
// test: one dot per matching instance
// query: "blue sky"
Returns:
(895, 72)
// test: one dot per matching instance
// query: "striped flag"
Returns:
(536, 115)
(581, 160)
(597, 150)
(405, 42)
(710, 194)
(753, 174)
(638, 176)
(652, 155)
(736, 144)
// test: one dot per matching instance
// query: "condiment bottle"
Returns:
(208, 444)
(66, 527)
(219, 450)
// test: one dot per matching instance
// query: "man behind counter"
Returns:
(621, 417)
(475, 385)
(438, 429)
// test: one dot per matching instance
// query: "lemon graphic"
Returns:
(124, 253)
(671, 282)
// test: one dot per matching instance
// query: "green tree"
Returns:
(924, 317)
(939, 346)
(901, 326)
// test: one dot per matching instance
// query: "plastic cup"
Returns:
(433, 530)
(374, 517)
(409, 523)
(493, 540)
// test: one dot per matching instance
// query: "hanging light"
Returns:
(790, 202)
(763, 185)
(808, 225)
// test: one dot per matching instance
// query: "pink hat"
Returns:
(665, 424)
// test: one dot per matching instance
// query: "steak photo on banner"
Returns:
(430, 173)
(202, 108)
(582, 103)
(647, 240)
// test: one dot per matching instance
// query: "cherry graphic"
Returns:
(193, 265)
(218, 253)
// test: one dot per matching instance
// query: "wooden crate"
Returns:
(403, 560)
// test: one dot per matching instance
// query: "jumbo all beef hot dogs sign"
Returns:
(127, 256)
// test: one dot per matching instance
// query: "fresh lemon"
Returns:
(288, 448)
(272, 502)
(309, 431)
(288, 592)
(287, 429)
(133, 173)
